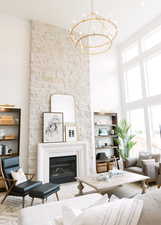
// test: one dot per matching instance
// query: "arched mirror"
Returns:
(65, 104)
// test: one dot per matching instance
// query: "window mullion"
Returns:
(150, 89)
(122, 86)
(144, 102)
(147, 127)
(142, 71)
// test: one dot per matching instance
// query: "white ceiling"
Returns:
(130, 15)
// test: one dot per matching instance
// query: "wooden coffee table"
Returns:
(113, 182)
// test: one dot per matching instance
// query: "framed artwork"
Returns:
(53, 128)
(70, 133)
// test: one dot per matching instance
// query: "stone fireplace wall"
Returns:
(56, 68)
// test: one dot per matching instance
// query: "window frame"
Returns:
(128, 116)
(149, 34)
(124, 59)
(146, 58)
(131, 66)
(147, 101)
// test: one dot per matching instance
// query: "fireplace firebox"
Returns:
(62, 169)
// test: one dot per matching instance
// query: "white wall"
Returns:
(105, 91)
(105, 88)
(14, 70)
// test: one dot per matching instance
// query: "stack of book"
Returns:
(7, 120)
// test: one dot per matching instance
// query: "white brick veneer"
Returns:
(56, 68)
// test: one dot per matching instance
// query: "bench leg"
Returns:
(144, 187)
(57, 197)
(23, 202)
(80, 188)
(32, 201)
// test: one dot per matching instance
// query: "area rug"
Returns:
(9, 211)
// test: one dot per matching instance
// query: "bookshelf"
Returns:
(106, 147)
(10, 121)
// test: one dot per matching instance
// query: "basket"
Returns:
(101, 167)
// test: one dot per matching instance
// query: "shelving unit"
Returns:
(12, 139)
(106, 136)
(105, 140)
(10, 121)
(108, 147)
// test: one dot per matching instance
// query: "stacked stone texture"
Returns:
(56, 68)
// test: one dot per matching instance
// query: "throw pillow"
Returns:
(69, 214)
(19, 176)
(143, 156)
(104, 199)
(113, 198)
(58, 220)
(121, 212)
(149, 168)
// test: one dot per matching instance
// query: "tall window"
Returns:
(153, 74)
(151, 39)
(136, 118)
(155, 115)
(133, 83)
(130, 52)
(140, 62)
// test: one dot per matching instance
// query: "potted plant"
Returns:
(125, 139)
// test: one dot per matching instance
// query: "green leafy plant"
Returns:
(125, 139)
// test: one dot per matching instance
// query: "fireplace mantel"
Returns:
(47, 150)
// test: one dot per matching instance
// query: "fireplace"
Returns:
(62, 169)
(64, 149)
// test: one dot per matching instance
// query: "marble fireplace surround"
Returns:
(47, 150)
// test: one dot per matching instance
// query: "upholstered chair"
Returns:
(21, 190)
(147, 164)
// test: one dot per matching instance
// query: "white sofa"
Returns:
(44, 214)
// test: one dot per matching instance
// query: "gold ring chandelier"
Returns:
(93, 34)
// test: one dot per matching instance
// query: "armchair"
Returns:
(159, 177)
(146, 165)
(20, 190)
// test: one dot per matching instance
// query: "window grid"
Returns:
(147, 101)
(128, 82)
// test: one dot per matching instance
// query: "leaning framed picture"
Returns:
(53, 127)
(70, 133)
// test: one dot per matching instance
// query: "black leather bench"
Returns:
(44, 191)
